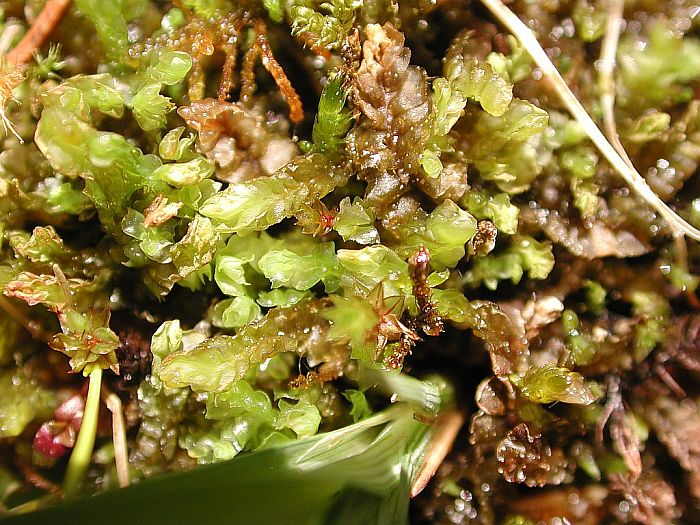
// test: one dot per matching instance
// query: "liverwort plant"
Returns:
(302, 249)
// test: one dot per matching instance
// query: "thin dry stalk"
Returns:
(447, 428)
(606, 78)
(226, 82)
(121, 452)
(528, 40)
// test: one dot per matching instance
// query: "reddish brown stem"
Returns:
(248, 74)
(296, 111)
(227, 73)
(37, 480)
(39, 33)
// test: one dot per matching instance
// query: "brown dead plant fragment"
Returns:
(626, 441)
(236, 140)
(526, 458)
(446, 428)
(202, 38)
(326, 373)
(429, 320)
(392, 129)
(11, 76)
(651, 499)
(226, 82)
(160, 211)
(677, 426)
(121, 453)
(484, 240)
(261, 47)
(248, 84)
(35, 479)
(391, 329)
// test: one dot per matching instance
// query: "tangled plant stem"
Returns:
(528, 40)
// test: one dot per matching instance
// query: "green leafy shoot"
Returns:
(506, 146)
(325, 30)
(275, 9)
(364, 269)
(245, 207)
(525, 254)
(653, 310)
(444, 232)
(549, 383)
(235, 312)
(219, 362)
(360, 407)
(495, 207)
(110, 24)
(581, 346)
(333, 119)
(477, 81)
(150, 108)
(513, 67)
(590, 20)
(355, 222)
(47, 67)
(655, 71)
(353, 321)
(448, 105)
(301, 272)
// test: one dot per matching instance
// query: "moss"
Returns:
(321, 204)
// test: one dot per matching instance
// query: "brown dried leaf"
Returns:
(160, 211)
(493, 396)
(395, 123)
(236, 140)
(527, 459)
(506, 347)
(597, 240)
(677, 426)
(652, 500)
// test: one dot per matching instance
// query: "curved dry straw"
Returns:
(627, 171)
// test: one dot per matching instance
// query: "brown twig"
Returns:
(614, 400)
(248, 74)
(39, 32)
